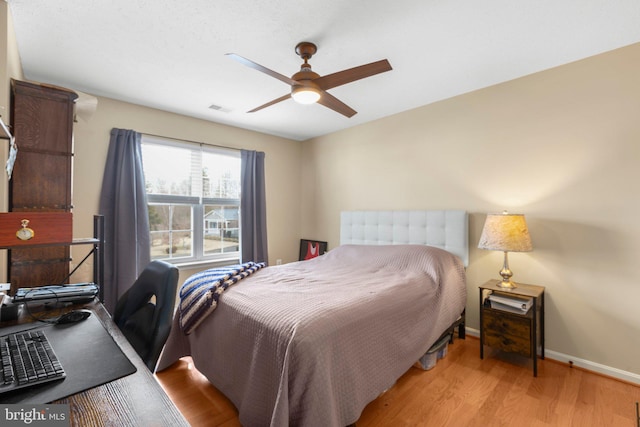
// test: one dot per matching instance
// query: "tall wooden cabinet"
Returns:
(42, 123)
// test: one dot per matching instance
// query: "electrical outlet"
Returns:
(279, 261)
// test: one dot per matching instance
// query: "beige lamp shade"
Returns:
(508, 233)
(505, 232)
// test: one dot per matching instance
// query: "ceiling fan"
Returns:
(308, 87)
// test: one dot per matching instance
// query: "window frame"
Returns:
(196, 202)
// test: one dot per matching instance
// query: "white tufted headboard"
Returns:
(445, 229)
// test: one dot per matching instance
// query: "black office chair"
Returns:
(144, 320)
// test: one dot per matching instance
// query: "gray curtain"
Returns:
(253, 211)
(123, 202)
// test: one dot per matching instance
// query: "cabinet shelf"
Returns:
(74, 242)
(97, 241)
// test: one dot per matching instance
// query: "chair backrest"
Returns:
(145, 312)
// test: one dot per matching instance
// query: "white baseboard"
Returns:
(581, 363)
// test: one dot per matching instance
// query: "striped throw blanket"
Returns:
(200, 293)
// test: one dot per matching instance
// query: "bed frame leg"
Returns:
(461, 329)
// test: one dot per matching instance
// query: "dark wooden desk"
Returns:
(134, 400)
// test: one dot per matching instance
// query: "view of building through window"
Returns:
(194, 200)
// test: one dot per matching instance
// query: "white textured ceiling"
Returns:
(170, 55)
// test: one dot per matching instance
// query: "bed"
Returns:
(310, 343)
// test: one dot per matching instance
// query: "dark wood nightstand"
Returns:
(512, 332)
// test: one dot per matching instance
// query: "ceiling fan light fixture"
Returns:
(308, 87)
(305, 94)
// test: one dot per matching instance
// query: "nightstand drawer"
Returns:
(507, 332)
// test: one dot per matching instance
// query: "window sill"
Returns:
(211, 263)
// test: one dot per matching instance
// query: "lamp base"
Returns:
(506, 275)
(507, 284)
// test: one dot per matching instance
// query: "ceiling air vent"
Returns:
(219, 108)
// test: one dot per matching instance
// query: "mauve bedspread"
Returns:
(311, 343)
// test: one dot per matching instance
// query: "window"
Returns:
(194, 200)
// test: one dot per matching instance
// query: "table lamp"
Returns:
(508, 233)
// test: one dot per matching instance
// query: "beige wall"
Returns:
(4, 98)
(10, 68)
(561, 146)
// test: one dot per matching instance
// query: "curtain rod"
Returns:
(194, 142)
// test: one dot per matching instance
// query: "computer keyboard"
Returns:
(27, 360)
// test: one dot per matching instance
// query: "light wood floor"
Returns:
(461, 390)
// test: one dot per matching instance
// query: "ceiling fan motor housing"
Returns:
(305, 73)
(306, 50)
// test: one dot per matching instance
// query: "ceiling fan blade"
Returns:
(352, 74)
(335, 104)
(270, 103)
(249, 63)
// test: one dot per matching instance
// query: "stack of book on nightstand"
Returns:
(513, 303)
